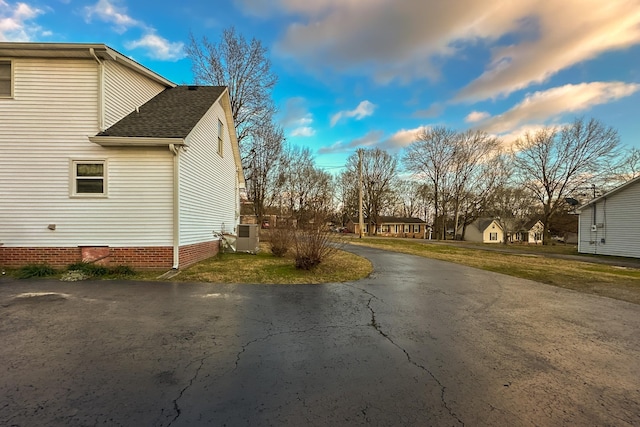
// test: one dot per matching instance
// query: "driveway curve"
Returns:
(419, 342)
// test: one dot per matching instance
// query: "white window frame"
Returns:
(11, 79)
(220, 139)
(73, 177)
(492, 235)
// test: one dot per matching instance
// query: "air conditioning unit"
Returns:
(248, 239)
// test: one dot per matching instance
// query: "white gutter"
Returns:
(174, 148)
(100, 90)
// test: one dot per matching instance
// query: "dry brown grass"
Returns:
(614, 282)
(264, 268)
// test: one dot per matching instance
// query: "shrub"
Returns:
(123, 270)
(281, 240)
(91, 270)
(312, 246)
(36, 270)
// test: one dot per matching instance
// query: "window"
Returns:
(89, 178)
(493, 236)
(220, 130)
(6, 87)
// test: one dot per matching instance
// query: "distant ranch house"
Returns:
(610, 224)
(103, 160)
(390, 226)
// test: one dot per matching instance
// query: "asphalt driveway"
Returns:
(420, 342)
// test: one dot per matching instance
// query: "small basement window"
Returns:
(6, 78)
(89, 178)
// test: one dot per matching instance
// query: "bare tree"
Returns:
(379, 170)
(473, 170)
(429, 158)
(489, 177)
(265, 147)
(347, 194)
(627, 169)
(555, 162)
(514, 205)
(304, 191)
(244, 68)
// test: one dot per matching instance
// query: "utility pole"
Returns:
(360, 195)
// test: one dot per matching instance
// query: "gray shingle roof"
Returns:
(172, 113)
(398, 220)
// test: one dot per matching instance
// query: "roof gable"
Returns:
(483, 223)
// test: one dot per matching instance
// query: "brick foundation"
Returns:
(56, 257)
(190, 254)
(141, 257)
(149, 257)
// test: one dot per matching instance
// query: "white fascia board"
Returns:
(124, 141)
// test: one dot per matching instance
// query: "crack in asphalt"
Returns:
(376, 326)
(291, 331)
(176, 406)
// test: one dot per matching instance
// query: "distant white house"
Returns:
(531, 232)
(610, 224)
(101, 159)
(483, 230)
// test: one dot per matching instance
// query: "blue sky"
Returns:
(369, 73)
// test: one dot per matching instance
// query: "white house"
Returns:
(103, 159)
(483, 230)
(610, 224)
(531, 232)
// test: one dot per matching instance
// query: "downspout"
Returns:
(176, 206)
(100, 90)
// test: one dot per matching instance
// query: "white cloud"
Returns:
(364, 109)
(159, 48)
(304, 131)
(540, 106)
(370, 140)
(297, 117)
(476, 116)
(407, 40)
(107, 11)
(15, 21)
(375, 139)
(400, 139)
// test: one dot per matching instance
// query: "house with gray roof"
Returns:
(483, 230)
(103, 160)
(392, 226)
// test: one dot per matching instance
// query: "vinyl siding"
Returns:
(124, 90)
(208, 182)
(617, 220)
(42, 129)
